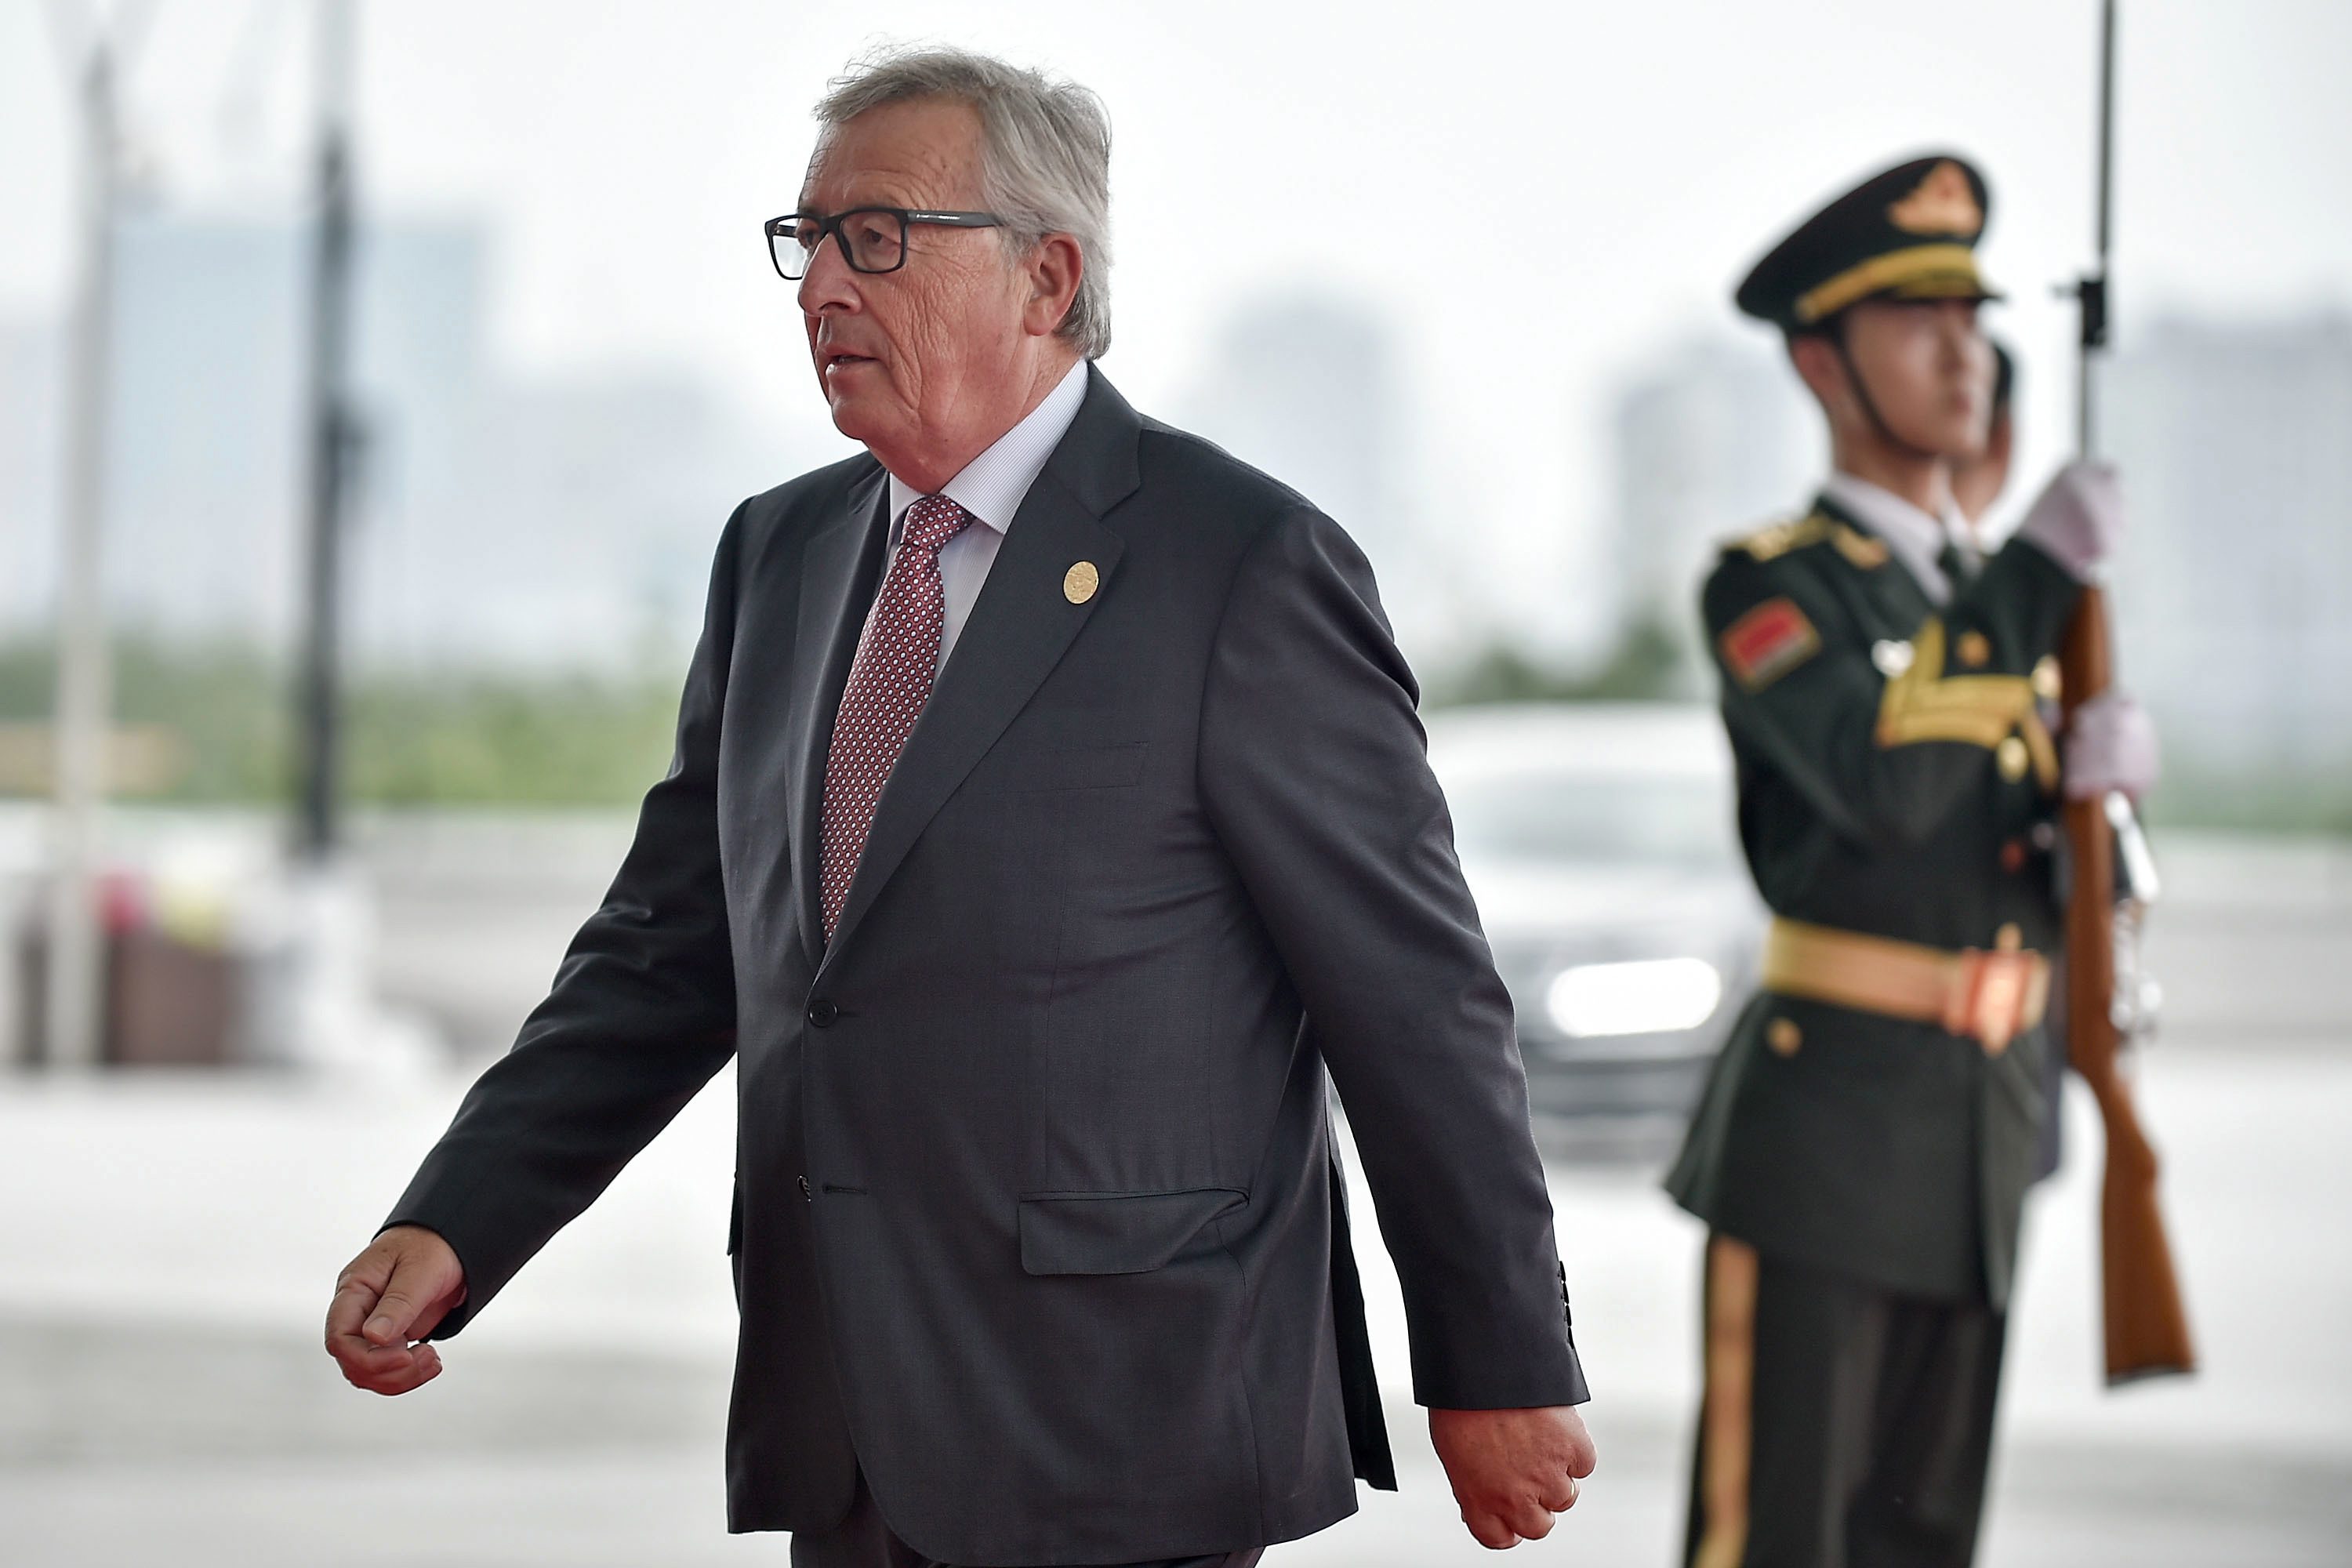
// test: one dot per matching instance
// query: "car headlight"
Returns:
(1643, 997)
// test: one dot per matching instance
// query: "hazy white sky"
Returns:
(1536, 195)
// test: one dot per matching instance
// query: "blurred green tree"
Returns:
(412, 738)
(1651, 662)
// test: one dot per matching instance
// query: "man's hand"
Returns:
(404, 1284)
(2079, 519)
(1512, 1470)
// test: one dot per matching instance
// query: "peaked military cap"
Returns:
(1908, 234)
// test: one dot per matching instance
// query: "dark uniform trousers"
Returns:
(865, 1540)
(1861, 1171)
(1844, 1426)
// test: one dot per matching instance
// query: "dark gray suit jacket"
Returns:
(1035, 1208)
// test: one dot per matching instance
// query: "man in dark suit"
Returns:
(1048, 813)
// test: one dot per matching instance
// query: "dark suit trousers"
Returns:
(864, 1540)
(1843, 1427)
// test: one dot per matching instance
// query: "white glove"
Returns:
(2110, 744)
(2078, 520)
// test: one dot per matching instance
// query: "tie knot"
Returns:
(932, 521)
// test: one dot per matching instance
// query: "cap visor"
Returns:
(1944, 286)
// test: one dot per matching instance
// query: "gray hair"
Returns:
(1044, 162)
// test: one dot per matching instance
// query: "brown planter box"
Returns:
(167, 1004)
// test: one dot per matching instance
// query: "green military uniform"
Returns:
(1862, 1159)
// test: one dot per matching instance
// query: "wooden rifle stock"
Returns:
(2147, 1325)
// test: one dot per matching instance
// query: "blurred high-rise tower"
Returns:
(1307, 387)
(2234, 592)
(1714, 439)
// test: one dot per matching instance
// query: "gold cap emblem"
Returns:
(1079, 582)
(1944, 203)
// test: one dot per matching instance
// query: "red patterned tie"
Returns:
(890, 681)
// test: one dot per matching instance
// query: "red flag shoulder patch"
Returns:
(1767, 642)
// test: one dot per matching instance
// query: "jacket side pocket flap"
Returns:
(1116, 1233)
(1112, 766)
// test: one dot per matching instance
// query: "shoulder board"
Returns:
(1858, 549)
(1769, 543)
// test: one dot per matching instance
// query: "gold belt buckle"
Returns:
(1989, 1002)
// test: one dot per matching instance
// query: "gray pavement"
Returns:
(165, 1248)
(167, 1244)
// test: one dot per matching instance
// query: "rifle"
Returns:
(2147, 1324)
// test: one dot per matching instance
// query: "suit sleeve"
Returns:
(641, 1015)
(1315, 777)
(1884, 757)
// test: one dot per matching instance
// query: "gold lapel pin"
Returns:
(1079, 582)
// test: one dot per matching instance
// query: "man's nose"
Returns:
(828, 281)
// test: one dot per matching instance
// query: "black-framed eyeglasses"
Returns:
(872, 239)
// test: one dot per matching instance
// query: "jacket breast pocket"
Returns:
(1119, 1233)
(1026, 771)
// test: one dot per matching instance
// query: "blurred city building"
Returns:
(1308, 386)
(500, 520)
(2234, 598)
(1712, 439)
(31, 439)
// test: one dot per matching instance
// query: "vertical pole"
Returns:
(2093, 290)
(328, 438)
(74, 1003)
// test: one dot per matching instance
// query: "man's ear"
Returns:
(1819, 366)
(1052, 271)
(2000, 439)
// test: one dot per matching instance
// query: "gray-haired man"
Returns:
(1049, 810)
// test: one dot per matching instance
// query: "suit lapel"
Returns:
(1019, 628)
(838, 572)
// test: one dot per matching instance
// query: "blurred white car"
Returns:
(1600, 843)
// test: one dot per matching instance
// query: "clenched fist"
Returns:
(2079, 519)
(389, 1296)
(1513, 1471)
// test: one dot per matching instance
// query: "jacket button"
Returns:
(806, 1196)
(821, 1013)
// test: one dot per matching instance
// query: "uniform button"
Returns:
(2013, 759)
(806, 1196)
(822, 1012)
(1783, 1036)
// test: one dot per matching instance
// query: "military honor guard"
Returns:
(1863, 1149)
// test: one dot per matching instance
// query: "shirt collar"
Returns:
(1918, 537)
(992, 485)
